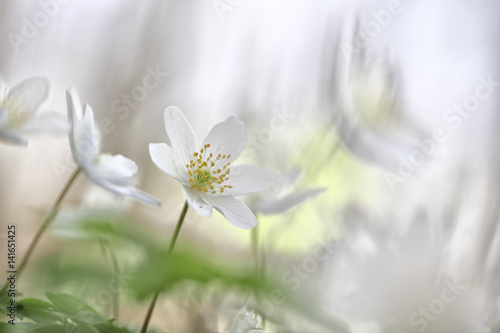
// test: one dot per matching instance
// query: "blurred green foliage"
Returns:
(114, 255)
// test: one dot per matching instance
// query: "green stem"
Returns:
(255, 247)
(48, 220)
(115, 298)
(171, 246)
(116, 273)
(259, 259)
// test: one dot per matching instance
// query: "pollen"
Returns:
(208, 174)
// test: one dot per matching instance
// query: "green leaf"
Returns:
(110, 328)
(37, 310)
(54, 328)
(84, 327)
(18, 328)
(71, 305)
(161, 273)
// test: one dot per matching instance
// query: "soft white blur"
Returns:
(259, 59)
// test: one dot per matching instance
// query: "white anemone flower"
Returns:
(208, 178)
(372, 119)
(20, 114)
(113, 172)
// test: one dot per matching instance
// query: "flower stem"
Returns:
(255, 247)
(116, 273)
(48, 220)
(115, 299)
(259, 259)
(171, 246)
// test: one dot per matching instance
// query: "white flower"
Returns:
(113, 172)
(371, 120)
(277, 203)
(19, 111)
(206, 174)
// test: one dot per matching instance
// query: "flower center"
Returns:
(207, 172)
(15, 109)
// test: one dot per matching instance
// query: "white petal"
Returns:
(74, 117)
(278, 206)
(233, 210)
(247, 179)
(91, 132)
(126, 191)
(226, 138)
(288, 178)
(115, 168)
(163, 157)
(180, 133)
(86, 138)
(47, 122)
(11, 137)
(75, 107)
(31, 92)
(196, 202)
(366, 144)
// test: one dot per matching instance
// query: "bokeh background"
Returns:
(349, 92)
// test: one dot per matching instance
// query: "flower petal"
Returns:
(163, 157)
(281, 205)
(47, 122)
(115, 168)
(227, 138)
(11, 137)
(92, 134)
(247, 179)
(74, 116)
(75, 108)
(6, 134)
(180, 133)
(196, 202)
(126, 191)
(233, 210)
(31, 92)
(287, 179)
(86, 139)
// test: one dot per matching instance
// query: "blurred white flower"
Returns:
(402, 283)
(20, 111)
(112, 172)
(208, 178)
(275, 202)
(371, 120)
